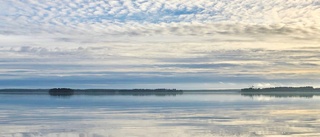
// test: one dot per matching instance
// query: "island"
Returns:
(95, 92)
(61, 92)
(134, 92)
(281, 92)
(282, 89)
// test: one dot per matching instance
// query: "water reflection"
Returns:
(281, 94)
(185, 115)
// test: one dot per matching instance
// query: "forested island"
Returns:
(281, 92)
(69, 91)
(61, 92)
(282, 89)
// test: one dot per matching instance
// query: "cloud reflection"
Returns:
(208, 116)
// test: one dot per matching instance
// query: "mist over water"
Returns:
(205, 114)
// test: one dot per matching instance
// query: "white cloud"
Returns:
(250, 14)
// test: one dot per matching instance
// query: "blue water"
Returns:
(187, 115)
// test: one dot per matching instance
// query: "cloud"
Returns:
(93, 65)
(138, 40)
(162, 17)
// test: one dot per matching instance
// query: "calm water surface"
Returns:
(187, 115)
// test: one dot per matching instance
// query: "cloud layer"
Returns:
(190, 17)
(159, 42)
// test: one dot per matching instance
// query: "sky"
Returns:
(184, 44)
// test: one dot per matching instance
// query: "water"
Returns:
(188, 115)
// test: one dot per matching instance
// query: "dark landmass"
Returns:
(24, 91)
(134, 92)
(70, 92)
(282, 89)
(61, 92)
(281, 92)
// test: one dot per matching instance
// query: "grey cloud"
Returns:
(201, 66)
(80, 52)
(310, 64)
(246, 65)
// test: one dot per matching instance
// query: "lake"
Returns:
(191, 114)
